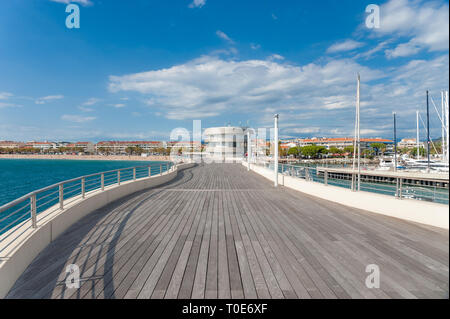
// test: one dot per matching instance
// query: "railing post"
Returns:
(61, 196)
(82, 187)
(149, 171)
(33, 211)
(160, 169)
(325, 177)
(401, 189)
(353, 182)
(134, 173)
(118, 177)
(396, 188)
(102, 181)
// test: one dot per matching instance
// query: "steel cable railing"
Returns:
(17, 212)
(398, 187)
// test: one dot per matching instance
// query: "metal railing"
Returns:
(55, 197)
(400, 187)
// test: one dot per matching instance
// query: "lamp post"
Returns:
(428, 135)
(418, 135)
(275, 145)
(395, 143)
(249, 146)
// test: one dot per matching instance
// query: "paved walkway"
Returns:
(218, 231)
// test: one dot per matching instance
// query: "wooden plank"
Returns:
(218, 231)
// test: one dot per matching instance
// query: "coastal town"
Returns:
(315, 147)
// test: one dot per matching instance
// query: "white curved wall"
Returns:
(224, 142)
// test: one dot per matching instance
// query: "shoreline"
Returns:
(86, 157)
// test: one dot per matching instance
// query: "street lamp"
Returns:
(275, 142)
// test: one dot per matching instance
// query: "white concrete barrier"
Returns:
(18, 251)
(427, 213)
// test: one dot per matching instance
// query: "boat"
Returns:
(422, 165)
(387, 163)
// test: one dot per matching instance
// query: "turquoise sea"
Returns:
(22, 176)
(19, 177)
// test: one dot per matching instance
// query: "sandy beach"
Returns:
(85, 157)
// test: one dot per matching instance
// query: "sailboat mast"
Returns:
(443, 127)
(418, 135)
(395, 143)
(428, 134)
(359, 131)
(446, 116)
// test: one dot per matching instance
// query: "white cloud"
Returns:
(77, 118)
(311, 96)
(49, 98)
(303, 130)
(85, 109)
(223, 36)
(276, 57)
(118, 105)
(379, 47)
(91, 101)
(5, 95)
(424, 23)
(255, 46)
(82, 2)
(210, 86)
(347, 45)
(197, 4)
(402, 50)
(5, 105)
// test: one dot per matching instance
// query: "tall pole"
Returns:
(359, 132)
(446, 124)
(428, 134)
(443, 126)
(248, 149)
(418, 135)
(395, 143)
(275, 145)
(354, 148)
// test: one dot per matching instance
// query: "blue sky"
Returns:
(138, 69)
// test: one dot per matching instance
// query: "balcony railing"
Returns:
(55, 197)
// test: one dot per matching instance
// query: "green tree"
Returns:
(422, 152)
(368, 153)
(294, 151)
(334, 150)
(379, 148)
(313, 151)
(349, 149)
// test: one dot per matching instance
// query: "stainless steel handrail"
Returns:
(64, 193)
(395, 188)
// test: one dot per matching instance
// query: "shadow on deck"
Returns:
(218, 231)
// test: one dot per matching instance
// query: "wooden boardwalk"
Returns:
(218, 231)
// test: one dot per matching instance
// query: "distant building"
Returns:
(409, 143)
(119, 147)
(187, 145)
(43, 146)
(288, 145)
(343, 142)
(11, 144)
(86, 147)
